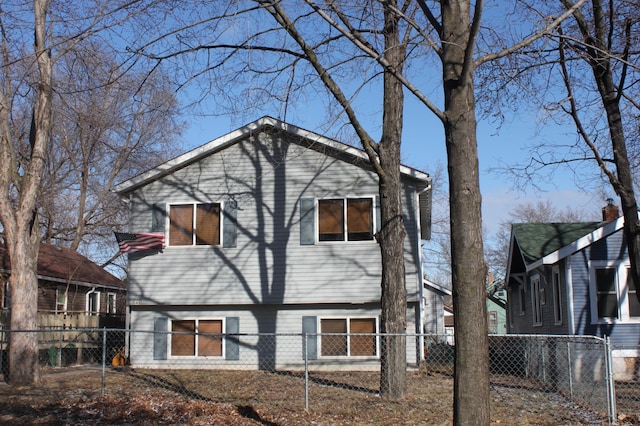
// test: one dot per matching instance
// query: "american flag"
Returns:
(136, 242)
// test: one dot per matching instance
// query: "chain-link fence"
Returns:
(528, 370)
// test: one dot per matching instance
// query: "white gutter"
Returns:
(421, 307)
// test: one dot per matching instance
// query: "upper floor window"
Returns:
(349, 219)
(194, 224)
(613, 293)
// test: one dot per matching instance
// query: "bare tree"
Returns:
(591, 84)
(26, 96)
(20, 180)
(604, 42)
(108, 127)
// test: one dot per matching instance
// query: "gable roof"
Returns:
(536, 240)
(64, 265)
(335, 148)
(547, 243)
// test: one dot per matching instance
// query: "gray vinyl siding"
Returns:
(433, 312)
(257, 350)
(612, 248)
(268, 264)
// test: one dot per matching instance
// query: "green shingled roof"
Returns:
(537, 240)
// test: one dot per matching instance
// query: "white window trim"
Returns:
(167, 225)
(536, 300)
(556, 289)
(195, 356)
(88, 304)
(345, 240)
(621, 268)
(348, 320)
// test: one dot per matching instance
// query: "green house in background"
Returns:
(497, 307)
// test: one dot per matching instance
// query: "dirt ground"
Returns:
(73, 396)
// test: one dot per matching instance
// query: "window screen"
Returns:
(362, 345)
(210, 343)
(359, 219)
(208, 224)
(333, 345)
(183, 344)
(181, 228)
(331, 220)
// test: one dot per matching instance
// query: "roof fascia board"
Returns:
(579, 244)
(437, 287)
(80, 283)
(235, 135)
(72, 282)
(512, 241)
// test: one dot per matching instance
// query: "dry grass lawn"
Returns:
(207, 397)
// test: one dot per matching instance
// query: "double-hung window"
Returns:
(93, 303)
(536, 300)
(194, 224)
(613, 293)
(196, 337)
(557, 295)
(61, 300)
(348, 337)
(111, 303)
(345, 219)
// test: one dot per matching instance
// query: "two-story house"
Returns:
(268, 229)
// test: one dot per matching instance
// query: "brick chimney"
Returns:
(610, 211)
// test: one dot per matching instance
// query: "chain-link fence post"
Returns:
(611, 392)
(306, 371)
(104, 360)
(570, 370)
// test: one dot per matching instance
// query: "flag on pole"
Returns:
(137, 242)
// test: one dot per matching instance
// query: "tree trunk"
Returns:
(393, 378)
(23, 345)
(471, 378)
(598, 56)
(18, 211)
(603, 74)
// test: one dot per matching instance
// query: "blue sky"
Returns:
(423, 148)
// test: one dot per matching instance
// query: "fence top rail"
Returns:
(550, 336)
(4, 328)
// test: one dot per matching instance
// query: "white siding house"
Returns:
(268, 229)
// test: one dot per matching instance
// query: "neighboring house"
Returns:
(73, 292)
(433, 307)
(269, 229)
(573, 278)
(449, 328)
(496, 307)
